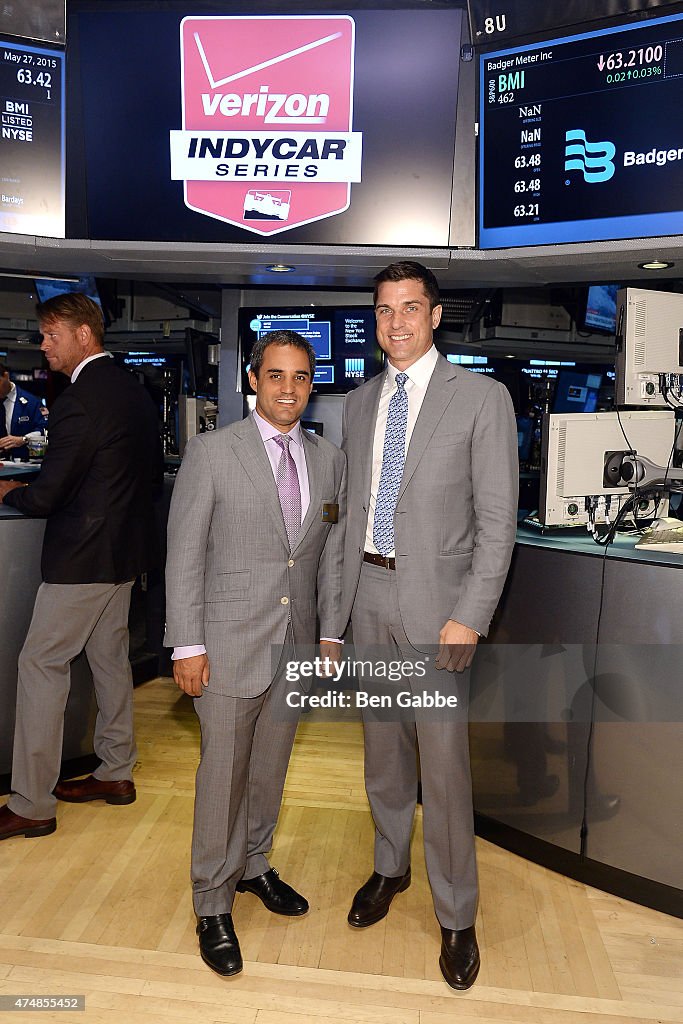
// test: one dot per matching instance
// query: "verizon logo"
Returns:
(274, 108)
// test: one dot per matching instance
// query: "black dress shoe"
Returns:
(459, 960)
(372, 901)
(275, 894)
(218, 944)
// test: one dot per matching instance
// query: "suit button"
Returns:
(290, 563)
(284, 600)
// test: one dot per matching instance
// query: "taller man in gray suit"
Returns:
(432, 458)
(255, 530)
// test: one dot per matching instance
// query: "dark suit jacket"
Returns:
(97, 480)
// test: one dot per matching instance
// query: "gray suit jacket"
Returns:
(232, 583)
(455, 517)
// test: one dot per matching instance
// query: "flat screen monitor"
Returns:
(579, 137)
(649, 365)
(574, 449)
(313, 427)
(498, 21)
(343, 338)
(243, 119)
(32, 124)
(525, 436)
(47, 289)
(203, 353)
(601, 307)
(34, 19)
(577, 391)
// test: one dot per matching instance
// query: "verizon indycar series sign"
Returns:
(267, 105)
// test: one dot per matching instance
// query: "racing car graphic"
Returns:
(266, 205)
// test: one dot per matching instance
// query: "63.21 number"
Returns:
(526, 210)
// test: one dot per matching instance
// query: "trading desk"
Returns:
(20, 543)
(577, 714)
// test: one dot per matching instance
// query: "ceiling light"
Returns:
(655, 265)
(280, 268)
(37, 277)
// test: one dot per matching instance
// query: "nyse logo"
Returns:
(595, 160)
(354, 368)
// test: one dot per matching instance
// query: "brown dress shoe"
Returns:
(79, 790)
(12, 824)
(372, 901)
(459, 960)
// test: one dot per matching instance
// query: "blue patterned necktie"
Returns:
(288, 489)
(393, 459)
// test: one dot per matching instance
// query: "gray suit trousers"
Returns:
(391, 750)
(67, 619)
(245, 750)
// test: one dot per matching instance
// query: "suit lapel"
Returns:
(438, 396)
(251, 453)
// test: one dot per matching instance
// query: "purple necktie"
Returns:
(288, 489)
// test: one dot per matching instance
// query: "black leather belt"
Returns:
(386, 563)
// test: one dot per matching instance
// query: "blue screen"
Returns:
(580, 137)
(576, 391)
(343, 339)
(601, 307)
(85, 284)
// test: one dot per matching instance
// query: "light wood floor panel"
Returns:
(103, 908)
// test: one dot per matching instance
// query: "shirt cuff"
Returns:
(187, 652)
(331, 640)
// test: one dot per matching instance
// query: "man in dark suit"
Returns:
(255, 542)
(432, 462)
(95, 489)
(20, 414)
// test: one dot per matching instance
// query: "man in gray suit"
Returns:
(255, 529)
(432, 458)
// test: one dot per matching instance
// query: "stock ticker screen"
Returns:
(581, 138)
(31, 139)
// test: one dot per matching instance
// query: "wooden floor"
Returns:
(102, 908)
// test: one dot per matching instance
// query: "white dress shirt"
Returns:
(84, 362)
(419, 376)
(8, 406)
(273, 451)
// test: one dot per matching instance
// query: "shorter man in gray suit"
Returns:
(432, 458)
(255, 532)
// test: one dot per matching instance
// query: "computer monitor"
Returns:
(343, 338)
(203, 353)
(47, 289)
(525, 436)
(649, 364)
(574, 450)
(577, 391)
(601, 307)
